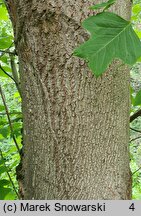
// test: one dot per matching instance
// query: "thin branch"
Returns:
(7, 52)
(15, 73)
(135, 115)
(15, 81)
(12, 183)
(12, 113)
(7, 73)
(135, 138)
(9, 120)
(136, 171)
(136, 130)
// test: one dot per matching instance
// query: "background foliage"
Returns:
(10, 108)
(135, 136)
(9, 156)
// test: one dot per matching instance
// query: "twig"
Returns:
(7, 52)
(135, 138)
(136, 171)
(12, 113)
(136, 130)
(9, 120)
(14, 188)
(7, 73)
(15, 73)
(135, 115)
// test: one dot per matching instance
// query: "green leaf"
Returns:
(111, 37)
(2, 74)
(5, 42)
(17, 128)
(131, 95)
(16, 95)
(5, 131)
(134, 18)
(2, 108)
(139, 59)
(3, 169)
(2, 161)
(137, 100)
(10, 196)
(136, 9)
(104, 4)
(4, 192)
(3, 14)
(3, 122)
(4, 59)
(6, 69)
(138, 33)
(4, 182)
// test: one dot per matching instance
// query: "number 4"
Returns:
(132, 207)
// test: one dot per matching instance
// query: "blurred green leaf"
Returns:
(16, 95)
(136, 9)
(4, 59)
(2, 108)
(4, 182)
(5, 131)
(4, 192)
(131, 95)
(104, 5)
(7, 68)
(5, 42)
(137, 100)
(2, 162)
(3, 169)
(2, 74)
(10, 196)
(3, 14)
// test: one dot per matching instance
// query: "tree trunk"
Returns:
(76, 127)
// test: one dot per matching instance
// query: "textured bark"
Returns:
(76, 127)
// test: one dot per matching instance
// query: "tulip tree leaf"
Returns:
(111, 37)
(106, 5)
